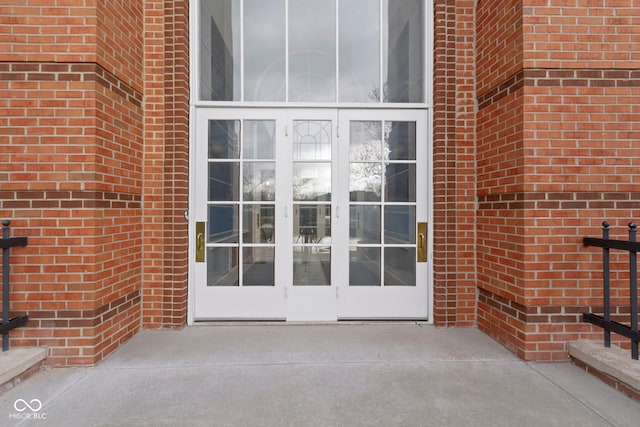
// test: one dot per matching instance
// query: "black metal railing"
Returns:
(605, 322)
(7, 243)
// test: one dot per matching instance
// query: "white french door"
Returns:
(310, 214)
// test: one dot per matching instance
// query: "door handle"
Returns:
(200, 227)
(423, 230)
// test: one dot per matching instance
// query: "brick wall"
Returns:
(71, 149)
(500, 168)
(454, 261)
(558, 153)
(166, 174)
(536, 141)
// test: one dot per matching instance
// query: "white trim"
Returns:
(319, 105)
(196, 104)
(194, 30)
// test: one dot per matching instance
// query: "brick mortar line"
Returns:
(85, 318)
(559, 77)
(560, 200)
(70, 71)
(546, 313)
(43, 199)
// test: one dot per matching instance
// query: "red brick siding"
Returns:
(71, 138)
(120, 39)
(581, 132)
(557, 155)
(500, 170)
(166, 165)
(499, 42)
(454, 261)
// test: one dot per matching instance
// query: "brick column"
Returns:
(71, 155)
(558, 153)
(166, 175)
(454, 164)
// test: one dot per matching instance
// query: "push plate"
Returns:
(423, 233)
(200, 230)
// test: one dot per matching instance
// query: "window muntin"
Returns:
(346, 51)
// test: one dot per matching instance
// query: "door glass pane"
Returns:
(312, 140)
(365, 182)
(400, 182)
(403, 50)
(312, 50)
(223, 181)
(264, 50)
(258, 224)
(400, 266)
(359, 57)
(257, 266)
(399, 224)
(224, 139)
(222, 266)
(400, 140)
(258, 181)
(311, 266)
(219, 50)
(364, 224)
(365, 141)
(364, 266)
(311, 223)
(223, 224)
(312, 181)
(259, 139)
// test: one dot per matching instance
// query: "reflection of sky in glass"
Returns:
(264, 50)
(312, 140)
(312, 181)
(359, 51)
(312, 50)
(259, 139)
(258, 181)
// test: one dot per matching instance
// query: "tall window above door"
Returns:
(316, 51)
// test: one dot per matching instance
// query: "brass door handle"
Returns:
(422, 241)
(200, 227)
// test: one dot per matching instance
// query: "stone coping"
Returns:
(613, 361)
(18, 360)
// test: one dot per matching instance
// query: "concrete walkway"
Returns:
(316, 375)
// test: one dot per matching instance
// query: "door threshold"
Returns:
(252, 322)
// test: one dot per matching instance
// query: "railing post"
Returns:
(606, 283)
(8, 324)
(5, 284)
(633, 284)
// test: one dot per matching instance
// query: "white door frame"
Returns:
(302, 307)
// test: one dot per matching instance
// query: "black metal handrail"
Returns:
(605, 322)
(6, 244)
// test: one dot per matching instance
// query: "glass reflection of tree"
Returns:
(258, 186)
(367, 154)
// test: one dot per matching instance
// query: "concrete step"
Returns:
(613, 365)
(19, 362)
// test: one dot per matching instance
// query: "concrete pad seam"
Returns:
(574, 397)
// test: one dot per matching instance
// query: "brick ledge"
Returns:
(612, 365)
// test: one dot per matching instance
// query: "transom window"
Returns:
(346, 51)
